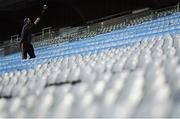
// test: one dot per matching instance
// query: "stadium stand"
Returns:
(131, 71)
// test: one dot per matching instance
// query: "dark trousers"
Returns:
(27, 48)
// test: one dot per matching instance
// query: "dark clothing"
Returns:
(27, 48)
(26, 45)
(26, 33)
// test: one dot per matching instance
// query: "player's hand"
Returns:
(45, 7)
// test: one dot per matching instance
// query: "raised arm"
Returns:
(36, 21)
(42, 12)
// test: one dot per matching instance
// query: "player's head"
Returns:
(27, 21)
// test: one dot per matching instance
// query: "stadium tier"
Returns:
(128, 72)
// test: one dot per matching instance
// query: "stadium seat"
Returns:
(122, 72)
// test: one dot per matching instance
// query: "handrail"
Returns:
(123, 17)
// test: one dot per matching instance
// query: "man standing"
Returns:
(26, 35)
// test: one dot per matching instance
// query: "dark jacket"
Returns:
(26, 33)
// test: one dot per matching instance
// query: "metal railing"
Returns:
(51, 35)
